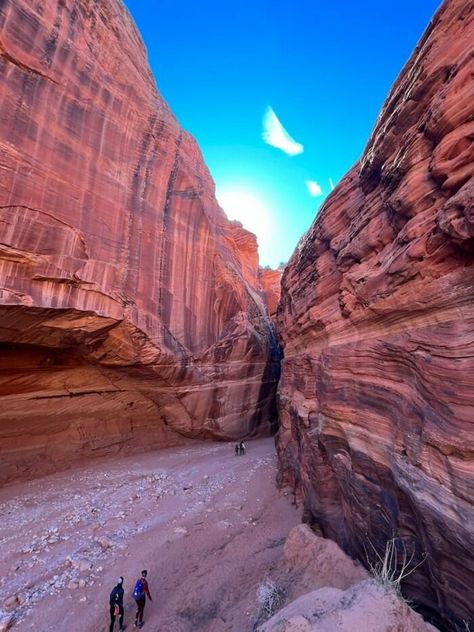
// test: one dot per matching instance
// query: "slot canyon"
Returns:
(140, 340)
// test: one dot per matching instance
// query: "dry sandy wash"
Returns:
(208, 526)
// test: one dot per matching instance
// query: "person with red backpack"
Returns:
(140, 593)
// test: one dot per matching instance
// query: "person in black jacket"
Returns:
(116, 605)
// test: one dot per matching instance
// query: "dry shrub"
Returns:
(270, 598)
(391, 567)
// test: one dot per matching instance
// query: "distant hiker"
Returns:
(116, 605)
(140, 593)
(241, 447)
(237, 449)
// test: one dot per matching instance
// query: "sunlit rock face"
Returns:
(130, 311)
(376, 321)
(270, 282)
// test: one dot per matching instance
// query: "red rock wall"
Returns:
(129, 305)
(270, 282)
(376, 321)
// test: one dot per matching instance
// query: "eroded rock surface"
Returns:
(364, 606)
(318, 563)
(376, 321)
(129, 306)
(326, 591)
(270, 281)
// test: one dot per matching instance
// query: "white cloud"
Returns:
(314, 188)
(331, 184)
(275, 134)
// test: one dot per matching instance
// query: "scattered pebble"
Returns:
(58, 543)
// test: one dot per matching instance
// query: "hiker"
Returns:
(116, 605)
(140, 593)
(242, 447)
(237, 449)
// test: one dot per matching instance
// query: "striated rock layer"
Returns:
(376, 322)
(270, 281)
(130, 309)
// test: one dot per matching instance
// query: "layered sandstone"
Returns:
(129, 306)
(376, 321)
(270, 282)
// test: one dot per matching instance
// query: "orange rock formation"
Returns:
(129, 304)
(376, 321)
(270, 281)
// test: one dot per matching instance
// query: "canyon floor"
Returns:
(208, 526)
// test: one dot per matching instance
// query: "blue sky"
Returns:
(324, 68)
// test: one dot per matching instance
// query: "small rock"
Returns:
(297, 624)
(72, 585)
(82, 565)
(182, 530)
(12, 602)
(105, 543)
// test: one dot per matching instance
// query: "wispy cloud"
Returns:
(331, 184)
(314, 188)
(275, 134)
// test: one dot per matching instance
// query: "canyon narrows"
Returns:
(130, 308)
(134, 316)
(376, 322)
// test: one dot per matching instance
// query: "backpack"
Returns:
(139, 590)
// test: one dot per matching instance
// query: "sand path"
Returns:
(209, 526)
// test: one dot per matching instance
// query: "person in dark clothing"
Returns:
(116, 605)
(237, 449)
(140, 594)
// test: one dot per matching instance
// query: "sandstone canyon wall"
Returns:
(130, 310)
(376, 321)
(270, 282)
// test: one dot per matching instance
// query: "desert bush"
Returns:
(270, 598)
(391, 567)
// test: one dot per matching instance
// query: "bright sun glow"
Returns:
(247, 208)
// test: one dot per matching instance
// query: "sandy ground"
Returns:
(208, 526)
